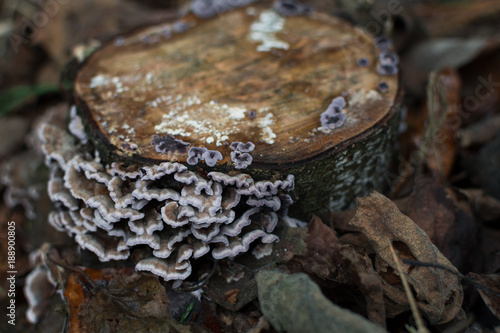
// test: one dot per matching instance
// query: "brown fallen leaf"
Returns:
(231, 277)
(484, 206)
(231, 296)
(323, 251)
(485, 167)
(438, 293)
(120, 300)
(490, 293)
(443, 99)
(345, 276)
(433, 208)
(479, 133)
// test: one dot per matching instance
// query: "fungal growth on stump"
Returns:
(193, 138)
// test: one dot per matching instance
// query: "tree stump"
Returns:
(248, 75)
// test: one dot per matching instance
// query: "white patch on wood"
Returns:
(99, 80)
(264, 29)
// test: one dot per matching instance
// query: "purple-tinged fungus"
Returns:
(382, 42)
(333, 117)
(153, 241)
(209, 8)
(242, 147)
(207, 233)
(274, 202)
(331, 121)
(38, 288)
(263, 189)
(230, 198)
(151, 223)
(195, 154)
(291, 8)
(172, 216)
(155, 172)
(387, 69)
(211, 157)
(242, 160)
(241, 180)
(124, 172)
(109, 210)
(57, 145)
(186, 177)
(262, 250)
(129, 146)
(167, 270)
(383, 87)
(143, 191)
(363, 62)
(234, 229)
(388, 58)
(239, 245)
(269, 221)
(200, 249)
(168, 144)
(105, 253)
(75, 126)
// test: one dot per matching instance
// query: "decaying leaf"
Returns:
(438, 293)
(491, 293)
(484, 206)
(485, 167)
(345, 276)
(232, 287)
(433, 208)
(294, 303)
(120, 301)
(323, 251)
(443, 98)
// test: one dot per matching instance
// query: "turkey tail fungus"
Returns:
(195, 137)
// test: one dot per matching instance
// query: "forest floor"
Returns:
(436, 228)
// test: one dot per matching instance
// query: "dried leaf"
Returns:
(443, 98)
(323, 252)
(345, 276)
(438, 293)
(486, 167)
(479, 133)
(232, 287)
(433, 209)
(491, 293)
(120, 301)
(294, 303)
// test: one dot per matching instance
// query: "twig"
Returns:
(413, 305)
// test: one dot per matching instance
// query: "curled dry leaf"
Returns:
(443, 98)
(438, 293)
(294, 303)
(345, 276)
(435, 209)
(484, 206)
(491, 291)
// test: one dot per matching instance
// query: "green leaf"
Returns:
(188, 311)
(16, 96)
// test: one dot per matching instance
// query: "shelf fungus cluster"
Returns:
(177, 213)
(200, 127)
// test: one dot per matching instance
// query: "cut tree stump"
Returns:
(249, 75)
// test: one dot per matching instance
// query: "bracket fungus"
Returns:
(149, 109)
